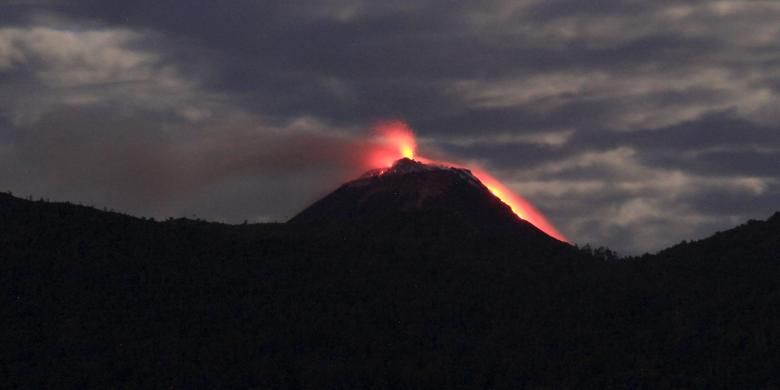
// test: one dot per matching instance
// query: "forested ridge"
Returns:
(102, 300)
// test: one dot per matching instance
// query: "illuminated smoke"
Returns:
(395, 140)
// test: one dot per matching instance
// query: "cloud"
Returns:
(87, 67)
(102, 117)
(617, 191)
(632, 124)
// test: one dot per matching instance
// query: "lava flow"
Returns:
(396, 141)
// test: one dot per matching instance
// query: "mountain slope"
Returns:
(91, 299)
(412, 198)
(750, 241)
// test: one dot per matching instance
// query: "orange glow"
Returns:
(397, 141)
(407, 151)
(519, 205)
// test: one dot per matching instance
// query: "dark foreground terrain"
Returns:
(101, 300)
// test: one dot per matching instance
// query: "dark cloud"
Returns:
(730, 202)
(633, 124)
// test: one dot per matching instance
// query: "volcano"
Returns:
(415, 198)
(421, 279)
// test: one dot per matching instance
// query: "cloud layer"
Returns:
(630, 124)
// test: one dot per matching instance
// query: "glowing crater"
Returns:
(396, 140)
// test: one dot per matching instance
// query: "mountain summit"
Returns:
(96, 299)
(412, 197)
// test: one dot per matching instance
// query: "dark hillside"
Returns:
(102, 300)
(412, 199)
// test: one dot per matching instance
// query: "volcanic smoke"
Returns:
(396, 140)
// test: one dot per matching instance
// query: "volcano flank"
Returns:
(412, 276)
(412, 197)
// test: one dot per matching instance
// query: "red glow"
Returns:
(518, 204)
(396, 140)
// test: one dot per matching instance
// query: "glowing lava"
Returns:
(397, 141)
(518, 204)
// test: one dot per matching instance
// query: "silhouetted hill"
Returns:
(102, 300)
(418, 200)
(752, 241)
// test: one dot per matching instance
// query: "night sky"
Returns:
(631, 124)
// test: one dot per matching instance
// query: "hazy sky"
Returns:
(632, 124)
